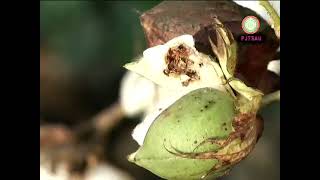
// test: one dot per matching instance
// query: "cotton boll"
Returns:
(171, 87)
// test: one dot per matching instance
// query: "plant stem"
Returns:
(274, 16)
(269, 98)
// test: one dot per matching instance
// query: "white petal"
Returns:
(165, 98)
(274, 66)
(136, 93)
(186, 39)
(141, 129)
(152, 65)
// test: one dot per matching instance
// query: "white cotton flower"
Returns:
(172, 86)
(153, 63)
(168, 89)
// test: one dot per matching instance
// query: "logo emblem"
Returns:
(250, 24)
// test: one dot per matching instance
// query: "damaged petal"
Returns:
(177, 65)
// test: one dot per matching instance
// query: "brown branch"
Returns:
(101, 123)
(60, 144)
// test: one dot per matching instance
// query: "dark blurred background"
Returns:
(83, 46)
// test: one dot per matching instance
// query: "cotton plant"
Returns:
(199, 120)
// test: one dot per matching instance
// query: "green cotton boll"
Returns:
(201, 114)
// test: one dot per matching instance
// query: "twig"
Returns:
(108, 118)
(101, 123)
(61, 144)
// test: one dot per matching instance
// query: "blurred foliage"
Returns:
(87, 33)
(91, 40)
